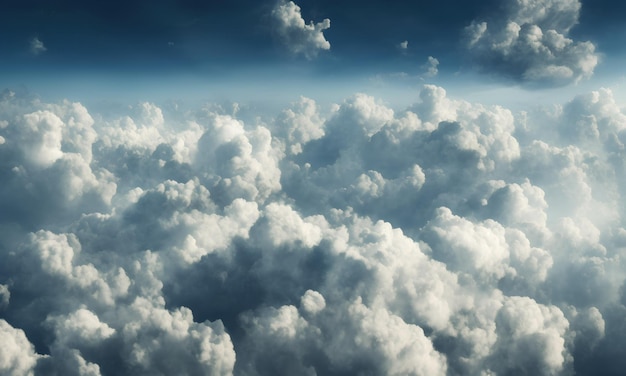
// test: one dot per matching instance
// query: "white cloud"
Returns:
(362, 339)
(80, 326)
(299, 37)
(487, 250)
(530, 338)
(299, 125)
(240, 163)
(17, 354)
(449, 237)
(530, 43)
(403, 45)
(430, 67)
(37, 47)
(5, 296)
(312, 302)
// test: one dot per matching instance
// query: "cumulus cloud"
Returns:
(529, 41)
(530, 339)
(17, 354)
(299, 37)
(37, 47)
(430, 67)
(5, 296)
(450, 237)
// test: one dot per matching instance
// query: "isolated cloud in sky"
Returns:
(450, 237)
(299, 37)
(36, 46)
(431, 67)
(529, 41)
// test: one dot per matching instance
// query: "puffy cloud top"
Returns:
(430, 67)
(299, 37)
(446, 238)
(529, 42)
(17, 354)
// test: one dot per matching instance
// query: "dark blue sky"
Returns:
(219, 34)
(230, 40)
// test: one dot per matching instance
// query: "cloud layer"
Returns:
(447, 238)
(528, 40)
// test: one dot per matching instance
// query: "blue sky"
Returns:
(185, 45)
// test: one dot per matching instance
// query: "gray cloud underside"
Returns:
(450, 238)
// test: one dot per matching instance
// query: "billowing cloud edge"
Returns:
(299, 37)
(529, 42)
